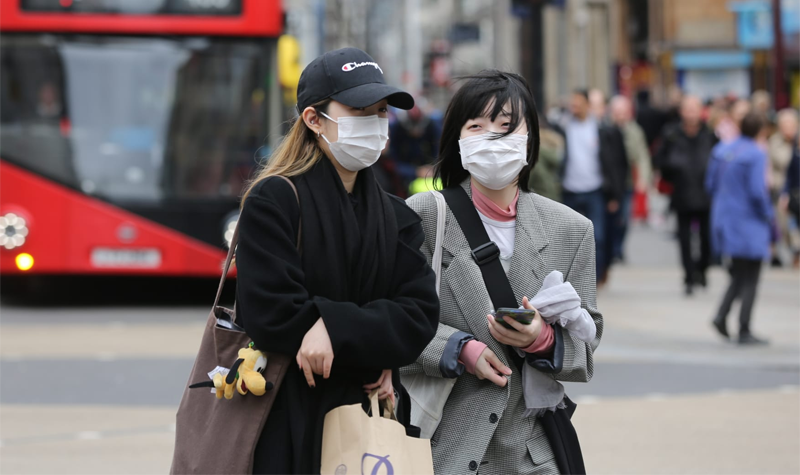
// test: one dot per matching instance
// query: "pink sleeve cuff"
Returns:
(544, 342)
(470, 353)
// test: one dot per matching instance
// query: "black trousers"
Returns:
(744, 283)
(692, 266)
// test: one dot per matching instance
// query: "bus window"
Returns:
(135, 120)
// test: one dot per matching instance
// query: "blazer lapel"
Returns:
(530, 242)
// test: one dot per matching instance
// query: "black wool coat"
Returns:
(277, 310)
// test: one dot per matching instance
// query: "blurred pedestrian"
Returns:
(683, 158)
(640, 167)
(594, 170)
(782, 145)
(741, 220)
(354, 299)
(761, 103)
(545, 178)
(413, 144)
(728, 127)
(651, 119)
(597, 104)
(507, 412)
(790, 200)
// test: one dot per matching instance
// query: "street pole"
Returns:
(781, 101)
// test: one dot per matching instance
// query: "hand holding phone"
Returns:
(522, 315)
(525, 325)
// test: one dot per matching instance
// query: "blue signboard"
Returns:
(754, 21)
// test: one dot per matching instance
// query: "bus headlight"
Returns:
(24, 261)
(14, 230)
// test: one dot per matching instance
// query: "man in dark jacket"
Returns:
(683, 158)
(594, 171)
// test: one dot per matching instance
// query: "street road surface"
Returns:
(94, 388)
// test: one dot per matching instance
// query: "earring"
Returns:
(319, 134)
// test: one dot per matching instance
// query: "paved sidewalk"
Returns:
(86, 439)
(735, 433)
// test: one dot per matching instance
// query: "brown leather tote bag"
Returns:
(219, 435)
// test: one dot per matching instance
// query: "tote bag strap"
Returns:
(235, 240)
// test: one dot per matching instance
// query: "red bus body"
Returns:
(258, 18)
(69, 231)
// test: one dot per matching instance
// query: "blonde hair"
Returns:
(297, 153)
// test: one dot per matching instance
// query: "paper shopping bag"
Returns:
(355, 443)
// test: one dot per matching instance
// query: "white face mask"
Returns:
(494, 163)
(360, 142)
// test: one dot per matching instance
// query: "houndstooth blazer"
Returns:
(482, 427)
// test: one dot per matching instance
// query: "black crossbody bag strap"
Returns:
(484, 251)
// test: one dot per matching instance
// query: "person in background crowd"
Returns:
(651, 119)
(717, 114)
(597, 104)
(781, 148)
(544, 178)
(639, 165)
(413, 143)
(790, 198)
(682, 158)
(593, 173)
(761, 102)
(741, 220)
(728, 127)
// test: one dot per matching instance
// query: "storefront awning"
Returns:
(712, 59)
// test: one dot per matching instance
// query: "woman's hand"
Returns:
(490, 367)
(522, 336)
(383, 385)
(316, 353)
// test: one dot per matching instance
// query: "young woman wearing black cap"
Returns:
(358, 300)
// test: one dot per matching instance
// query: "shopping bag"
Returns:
(354, 442)
(218, 435)
(429, 394)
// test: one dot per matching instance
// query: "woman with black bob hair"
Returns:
(507, 411)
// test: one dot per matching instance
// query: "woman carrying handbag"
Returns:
(503, 245)
(357, 300)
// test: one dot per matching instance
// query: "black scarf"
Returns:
(348, 241)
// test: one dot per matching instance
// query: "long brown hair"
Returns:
(297, 153)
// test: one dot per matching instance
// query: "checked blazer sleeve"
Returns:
(578, 359)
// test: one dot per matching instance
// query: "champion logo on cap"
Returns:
(351, 66)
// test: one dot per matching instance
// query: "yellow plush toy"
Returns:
(244, 376)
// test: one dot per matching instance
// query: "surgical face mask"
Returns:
(360, 142)
(494, 163)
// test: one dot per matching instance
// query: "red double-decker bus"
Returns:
(128, 129)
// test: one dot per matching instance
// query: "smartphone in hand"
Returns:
(521, 315)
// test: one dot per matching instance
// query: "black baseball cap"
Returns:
(349, 76)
